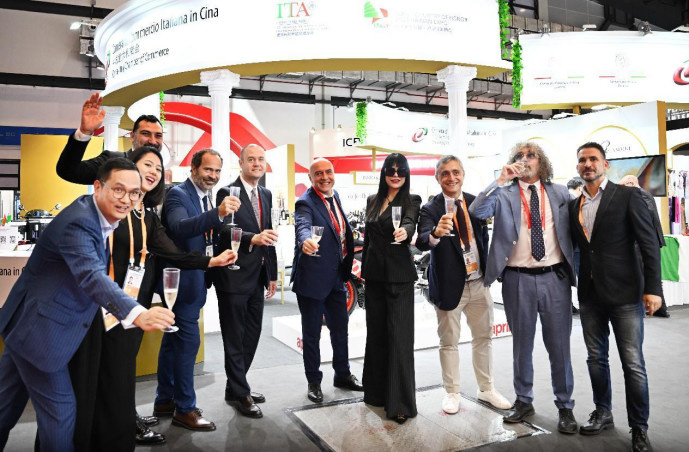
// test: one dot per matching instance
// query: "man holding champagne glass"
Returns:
(319, 280)
(240, 288)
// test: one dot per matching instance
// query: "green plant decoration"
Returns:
(516, 74)
(504, 15)
(361, 120)
(162, 107)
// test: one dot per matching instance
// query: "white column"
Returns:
(220, 84)
(456, 79)
(111, 124)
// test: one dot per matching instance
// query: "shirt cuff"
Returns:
(432, 240)
(81, 136)
(128, 322)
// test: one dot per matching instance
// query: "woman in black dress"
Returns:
(390, 273)
(106, 418)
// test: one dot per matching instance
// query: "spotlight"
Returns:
(645, 28)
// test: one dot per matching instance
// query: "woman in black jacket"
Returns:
(103, 370)
(389, 271)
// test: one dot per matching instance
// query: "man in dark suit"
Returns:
(606, 221)
(53, 302)
(189, 219)
(147, 131)
(455, 278)
(531, 252)
(633, 181)
(240, 292)
(319, 281)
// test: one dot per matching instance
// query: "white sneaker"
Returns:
(494, 398)
(451, 403)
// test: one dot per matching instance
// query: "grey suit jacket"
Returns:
(504, 204)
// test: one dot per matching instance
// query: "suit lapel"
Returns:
(320, 208)
(607, 196)
(246, 200)
(193, 196)
(265, 206)
(554, 205)
(574, 215)
(515, 205)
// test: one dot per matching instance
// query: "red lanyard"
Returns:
(527, 209)
(339, 225)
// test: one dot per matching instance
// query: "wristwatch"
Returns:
(433, 232)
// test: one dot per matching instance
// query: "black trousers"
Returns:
(241, 318)
(389, 379)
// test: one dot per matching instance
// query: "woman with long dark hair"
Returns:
(103, 370)
(389, 271)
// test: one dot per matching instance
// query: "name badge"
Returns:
(470, 262)
(209, 250)
(109, 320)
(132, 281)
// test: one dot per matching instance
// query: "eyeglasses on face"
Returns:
(401, 172)
(119, 192)
(528, 155)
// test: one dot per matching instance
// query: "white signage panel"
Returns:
(156, 38)
(611, 67)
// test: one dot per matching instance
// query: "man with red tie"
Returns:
(319, 281)
(459, 245)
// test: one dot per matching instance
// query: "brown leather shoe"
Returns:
(164, 409)
(193, 421)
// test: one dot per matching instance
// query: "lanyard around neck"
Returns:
(528, 209)
(144, 236)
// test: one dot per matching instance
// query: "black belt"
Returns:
(536, 270)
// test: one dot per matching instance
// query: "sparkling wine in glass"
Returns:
(316, 234)
(450, 207)
(275, 218)
(235, 241)
(234, 191)
(396, 219)
(170, 287)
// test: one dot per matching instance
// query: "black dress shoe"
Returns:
(146, 436)
(599, 420)
(662, 313)
(315, 394)
(148, 421)
(400, 419)
(247, 407)
(640, 441)
(350, 383)
(258, 397)
(518, 412)
(566, 422)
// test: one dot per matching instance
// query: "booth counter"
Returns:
(11, 265)
(674, 262)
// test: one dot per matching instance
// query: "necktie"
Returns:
(254, 204)
(537, 244)
(205, 203)
(332, 206)
(461, 221)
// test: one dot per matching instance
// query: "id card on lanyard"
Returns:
(134, 275)
(470, 260)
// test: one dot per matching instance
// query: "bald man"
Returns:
(632, 181)
(319, 272)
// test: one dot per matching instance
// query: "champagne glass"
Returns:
(450, 207)
(316, 234)
(275, 218)
(396, 219)
(235, 241)
(170, 287)
(234, 191)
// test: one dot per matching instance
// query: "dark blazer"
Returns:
(608, 261)
(651, 204)
(186, 224)
(381, 260)
(251, 258)
(54, 301)
(447, 271)
(316, 277)
(72, 168)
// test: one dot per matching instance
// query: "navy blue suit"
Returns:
(45, 318)
(186, 223)
(319, 285)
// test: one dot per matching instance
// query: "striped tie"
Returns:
(254, 204)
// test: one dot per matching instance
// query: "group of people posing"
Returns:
(69, 324)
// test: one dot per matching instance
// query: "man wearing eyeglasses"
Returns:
(531, 253)
(459, 244)
(54, 301)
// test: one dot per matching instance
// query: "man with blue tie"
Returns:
(319, 281)
(52, 304)
(189, 219)
(531, 253)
